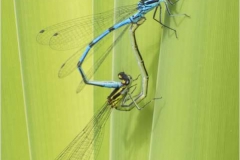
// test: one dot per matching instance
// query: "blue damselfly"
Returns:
(87, 143)
(75, 33)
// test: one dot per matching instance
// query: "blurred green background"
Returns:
(196, 75)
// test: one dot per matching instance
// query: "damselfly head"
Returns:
(125, 79)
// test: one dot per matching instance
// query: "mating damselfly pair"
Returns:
(74, 34)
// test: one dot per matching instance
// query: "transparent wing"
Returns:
(71, 64)
(87, 143)
(78, 32)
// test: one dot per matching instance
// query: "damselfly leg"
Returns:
(169, 13)
(77, 33)
(130, 101)
(172, 3)
(87, 143)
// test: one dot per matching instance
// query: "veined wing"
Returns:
(77, 32)
(87, 143)
(71, 63)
